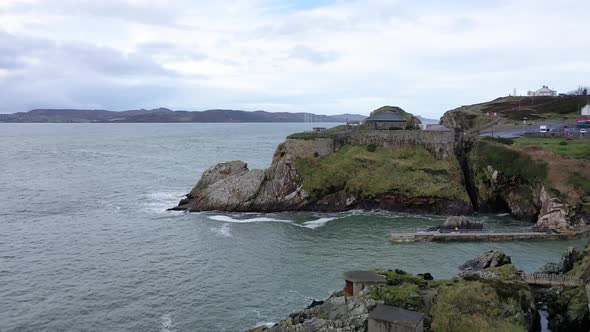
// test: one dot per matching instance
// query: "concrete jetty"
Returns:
(581, 232)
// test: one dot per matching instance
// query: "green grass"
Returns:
(508, 161)
(405, 295)
(501, 140)
(575, 149)
(475, 306)
(490, 305)
(328, 133)
(581, 182)
(409, 171)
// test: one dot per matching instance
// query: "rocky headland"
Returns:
(409, 170)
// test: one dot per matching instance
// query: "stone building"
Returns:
(386, 318)
(386, 121)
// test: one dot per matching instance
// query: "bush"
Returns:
(371, 147)
(508, 161)
(501, 140)
(563, 143)
(404, 295)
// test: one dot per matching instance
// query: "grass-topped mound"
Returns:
(366, 172)
(484, 305)
(412, 121)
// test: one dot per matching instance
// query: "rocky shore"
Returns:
(488, 294)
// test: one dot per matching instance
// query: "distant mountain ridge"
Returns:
(164, 115)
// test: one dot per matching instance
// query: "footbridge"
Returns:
(546, 279)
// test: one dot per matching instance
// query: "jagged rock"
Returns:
(337, 313)
(568, 259)
(315, 303)
(489, 259)
(460, 222)
(550, 268)
(425, 276)
(554, 215)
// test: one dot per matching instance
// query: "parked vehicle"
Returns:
(583, 131)
(543, 129)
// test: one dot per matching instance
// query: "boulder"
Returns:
(460, 222)
(489, 259)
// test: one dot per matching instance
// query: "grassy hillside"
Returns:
(513, 110)
(367, 171)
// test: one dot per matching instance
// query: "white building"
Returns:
(586, 110)
(544, 91)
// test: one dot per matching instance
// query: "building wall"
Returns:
(586, 110)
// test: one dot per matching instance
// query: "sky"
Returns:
(326, 57)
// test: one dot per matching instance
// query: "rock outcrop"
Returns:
(232, 186)
(336, 314)
(554, 215)
(486, 260)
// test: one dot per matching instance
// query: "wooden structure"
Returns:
(357, 280)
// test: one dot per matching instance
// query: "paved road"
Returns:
(519, 132)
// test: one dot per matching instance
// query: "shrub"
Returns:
(403, 295)
(501, 140)
(508, 161)
(563, 143)
(371, 147)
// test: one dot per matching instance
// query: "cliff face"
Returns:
(326, 174)
(508, 179)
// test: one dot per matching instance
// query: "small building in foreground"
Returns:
(357, 280)
(544, 91)
(319, 129)
(386, 121)
(386, 318)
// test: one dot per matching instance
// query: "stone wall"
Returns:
(439, 143)
(304, 149)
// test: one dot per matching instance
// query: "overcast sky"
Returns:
(325, 57)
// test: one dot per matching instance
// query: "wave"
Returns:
(249, 220)
(224, 230)
(313, 224)
(166, 323)
(161, 201)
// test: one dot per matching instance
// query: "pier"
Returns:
(583, 231)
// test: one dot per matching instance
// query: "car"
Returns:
(583, 131)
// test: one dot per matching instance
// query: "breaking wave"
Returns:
(313, 224)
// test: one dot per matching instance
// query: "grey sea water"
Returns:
(86, 243)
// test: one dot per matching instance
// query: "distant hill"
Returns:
(164, 115)
(510, 110)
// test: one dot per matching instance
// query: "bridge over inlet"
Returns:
(546, 279)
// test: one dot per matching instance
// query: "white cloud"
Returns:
(338, 57)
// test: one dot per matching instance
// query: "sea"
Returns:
(87, 243)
